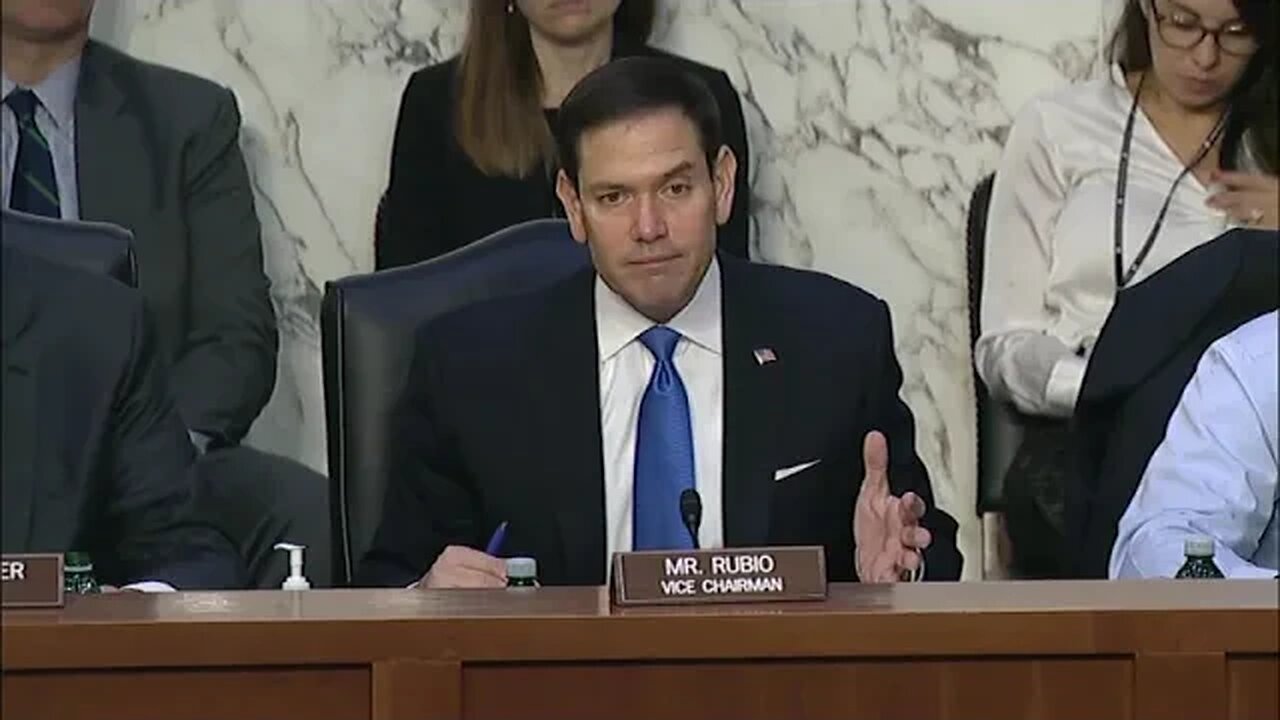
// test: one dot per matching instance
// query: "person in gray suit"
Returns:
(95, 456)
(91, 133)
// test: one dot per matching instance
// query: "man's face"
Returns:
(44, 20)
(647, 206)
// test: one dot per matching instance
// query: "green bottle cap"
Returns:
(77, 561)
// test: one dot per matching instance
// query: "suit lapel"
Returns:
(750, 401)
(568, 386)
(113, 179)
(21, 431)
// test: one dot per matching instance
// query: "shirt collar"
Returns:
(57, 92)
(618, 324)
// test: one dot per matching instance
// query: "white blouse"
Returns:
(1048, 280)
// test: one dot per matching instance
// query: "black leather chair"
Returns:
(369, 323)
(100, 248)
(999, 426)
(999, 429)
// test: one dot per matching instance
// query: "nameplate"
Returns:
(728, 575)
(31, 581)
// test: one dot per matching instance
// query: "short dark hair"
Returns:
(634, 86)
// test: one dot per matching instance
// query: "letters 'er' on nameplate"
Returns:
(31, 580)
(677, 577)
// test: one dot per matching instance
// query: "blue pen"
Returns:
(495, 542)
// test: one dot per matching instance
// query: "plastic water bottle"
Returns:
(77, 574)
(1199, 564)
(522, 572)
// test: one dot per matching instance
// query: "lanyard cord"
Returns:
(1123, 277)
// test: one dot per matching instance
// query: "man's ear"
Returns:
(723, 176)
(567, 191)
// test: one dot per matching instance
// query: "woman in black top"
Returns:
(473, 149)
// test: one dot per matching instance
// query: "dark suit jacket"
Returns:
(503, 424)
(157, 152)
(438, 200)
(95, 455)
(1147, 352)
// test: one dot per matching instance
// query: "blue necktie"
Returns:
(664, 451)
(34, 188)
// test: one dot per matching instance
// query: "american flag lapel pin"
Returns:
(764, 355)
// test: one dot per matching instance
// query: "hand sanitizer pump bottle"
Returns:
(296, 580)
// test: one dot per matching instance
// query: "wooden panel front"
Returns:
(1180, 686)
(418, 689)
(313, 693)
(945, 689)
(1253, 687)
(987, 650)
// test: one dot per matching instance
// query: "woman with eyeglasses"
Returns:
(1101, 184)
(474, 150)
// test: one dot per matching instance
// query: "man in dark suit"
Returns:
(98, 135)
(1147, 352)
(96, 457)
(580, 415)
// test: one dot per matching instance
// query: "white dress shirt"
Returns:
(1049, 281)
(1215, 472)
(56, 119)
(625, 367)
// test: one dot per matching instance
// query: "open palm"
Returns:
(886, 529)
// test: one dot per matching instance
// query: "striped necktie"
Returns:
(35, 188)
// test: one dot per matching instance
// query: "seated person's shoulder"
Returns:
(428, 101)
(177, 97)
(1254, 341)
(819, 302)
(797, 285)
(1086, 97)
(433, 81)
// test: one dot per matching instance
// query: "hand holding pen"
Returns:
(463, 567)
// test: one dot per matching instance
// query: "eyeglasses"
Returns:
(1182, 30)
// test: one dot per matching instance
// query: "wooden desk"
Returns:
(1101, 650)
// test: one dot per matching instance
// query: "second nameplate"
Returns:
(32, 580)
(680, 577)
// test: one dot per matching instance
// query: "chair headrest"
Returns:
(97, 247)
(520, 258)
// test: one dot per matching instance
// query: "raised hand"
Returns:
(886, 529)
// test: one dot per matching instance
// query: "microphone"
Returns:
(691, 513)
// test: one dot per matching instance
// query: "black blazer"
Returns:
(96, 457)
(157, 152)
(437, 200)
(502, 423)
(1145, 356)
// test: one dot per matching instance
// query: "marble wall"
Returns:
(870, 122)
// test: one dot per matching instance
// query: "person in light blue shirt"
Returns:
(1215, 473)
